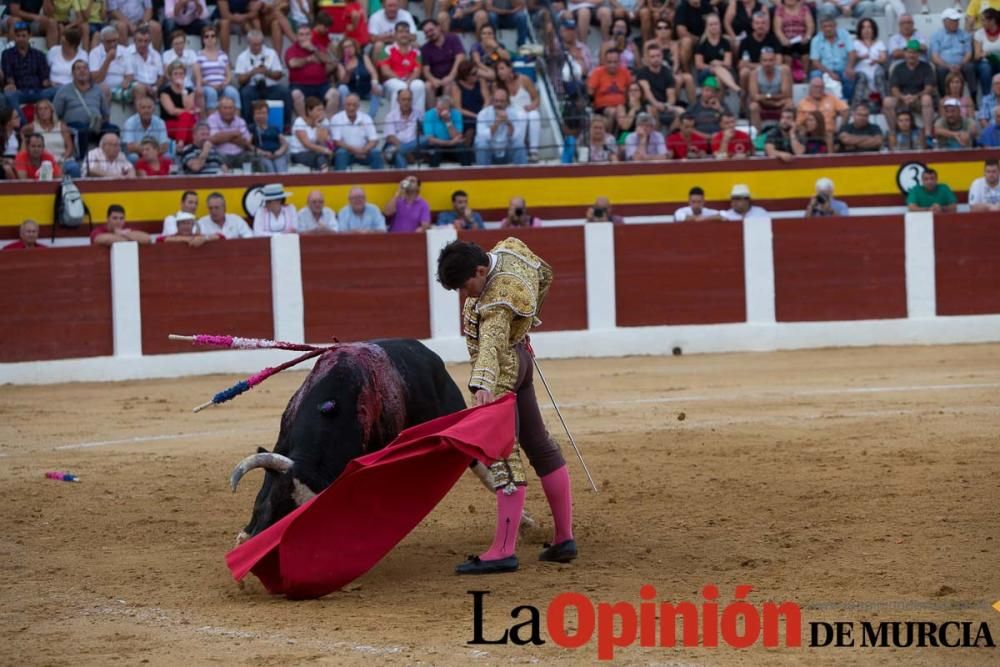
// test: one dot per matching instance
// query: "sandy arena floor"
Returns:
(862, 484)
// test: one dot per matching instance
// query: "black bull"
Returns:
(356, 400)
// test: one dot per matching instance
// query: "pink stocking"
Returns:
(559, 493)
(509, 510)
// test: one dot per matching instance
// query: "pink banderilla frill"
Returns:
(236, 342)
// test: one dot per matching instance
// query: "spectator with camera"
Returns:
(460, 216)
(259, 73)
(601, 212)
(407, 211)
(518, 215)
(823, 204)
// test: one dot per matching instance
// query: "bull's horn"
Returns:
(268, 460)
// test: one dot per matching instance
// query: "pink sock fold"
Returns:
(509, 511)
(559, 493)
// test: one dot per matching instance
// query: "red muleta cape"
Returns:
(344, 531)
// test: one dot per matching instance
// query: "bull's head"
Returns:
(280, 494)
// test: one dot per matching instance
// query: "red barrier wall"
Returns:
(967, 272)
(562, 247)
(839, 269)
(56, 304)
(358, 287)
(683, 273)
(223, 287)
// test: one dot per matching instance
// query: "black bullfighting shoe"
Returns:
(563, 552)
(476, 565)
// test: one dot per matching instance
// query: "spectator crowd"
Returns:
(673, 79)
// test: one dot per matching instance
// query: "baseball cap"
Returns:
(182, 216)
(643, 117)
(740, 190)
(710, 82)
(824, 185)
(952, 102)
(951, 14)
(567, 23)
(913, 45)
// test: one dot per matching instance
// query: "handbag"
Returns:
(96, 122)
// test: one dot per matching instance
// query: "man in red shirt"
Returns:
(29, 161)
(115, 231)
(687, 142)
(309, 69)
(400, 66)
(729, 142)
(28, 233)
(608, 84)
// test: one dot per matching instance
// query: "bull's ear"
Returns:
(261, 450)
(327, 407)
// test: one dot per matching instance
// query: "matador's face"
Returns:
(474, 285)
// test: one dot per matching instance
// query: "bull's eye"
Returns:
(326, 407)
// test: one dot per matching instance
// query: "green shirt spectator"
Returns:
(931, 195)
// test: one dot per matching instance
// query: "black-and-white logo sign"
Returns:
(908, 176)
(253, 199)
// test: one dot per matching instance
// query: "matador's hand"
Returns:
(484, 397)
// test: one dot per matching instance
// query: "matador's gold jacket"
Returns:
(504, 313)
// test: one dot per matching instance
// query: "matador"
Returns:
(505, 290)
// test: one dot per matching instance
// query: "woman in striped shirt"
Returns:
(212, 74)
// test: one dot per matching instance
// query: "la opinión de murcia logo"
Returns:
(573, 621)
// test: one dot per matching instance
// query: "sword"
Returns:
(569, 435)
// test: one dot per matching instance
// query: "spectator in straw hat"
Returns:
(274, 216)
(741, 205)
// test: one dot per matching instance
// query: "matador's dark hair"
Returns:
(458, 262)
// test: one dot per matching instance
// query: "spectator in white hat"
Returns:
(741, 205)
(187, 232)
(274, 216)
(823, 203)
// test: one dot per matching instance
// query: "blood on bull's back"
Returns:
(356, 400)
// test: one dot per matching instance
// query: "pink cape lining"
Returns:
(347, 529)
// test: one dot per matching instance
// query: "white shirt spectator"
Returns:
(148, 70)
(307, 222)
(868, 57)
(60, 69)
(355, 134)
(234, 227)
(133, 10)
(989, 48)
(981, 193)
(379, 24)
(300, 124)
(683, 214)
(119, 67)
(404, 129)
(754, 212)
(266, 223)
(267, 57)
(188, 58)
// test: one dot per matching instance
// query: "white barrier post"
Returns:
(921, 286)
(287, 300)
(758, 270)
(126, 310)
(444, 305)
(599, 248)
